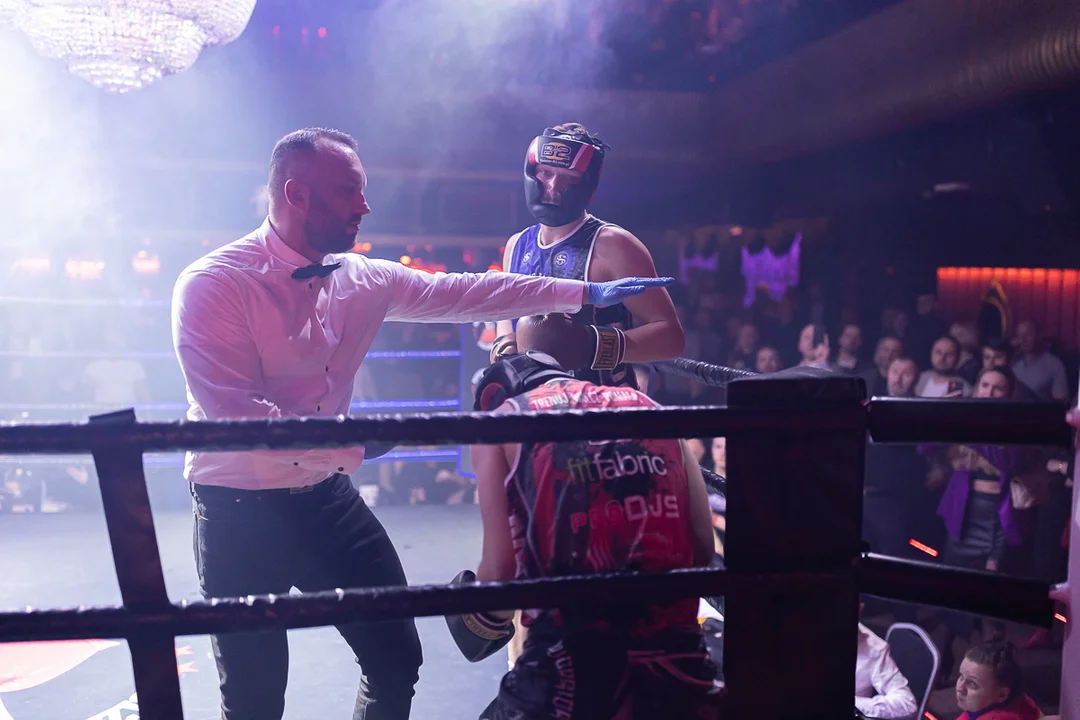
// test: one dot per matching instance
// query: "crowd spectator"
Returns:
(767, 360)
(744, 356)
(990, 685)
(941, 379)
(969, 362)
(881, 690)
(814, 346)
(847, 351)
(893, 475)
(977, 506)
(888, 349)
(1037, 369)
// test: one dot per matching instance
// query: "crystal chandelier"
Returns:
(121, 45)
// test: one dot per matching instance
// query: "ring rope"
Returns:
(707, 373)
(887, 419)
(433, 404)
(168, 461)
(1017, 599)
(169, 355)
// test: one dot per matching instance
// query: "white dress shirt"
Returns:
(253, 342)
(880, 690)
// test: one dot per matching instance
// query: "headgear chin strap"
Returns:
(560, 150)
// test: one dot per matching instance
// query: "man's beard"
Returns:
(328, 240)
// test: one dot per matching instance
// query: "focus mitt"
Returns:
(479, 635)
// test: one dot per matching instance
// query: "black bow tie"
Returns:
(314, 270)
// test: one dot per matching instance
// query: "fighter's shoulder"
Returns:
(511, 243)
(615, 243)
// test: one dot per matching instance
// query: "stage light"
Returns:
(32, 265)
(84, 269)
(406, 260)
(146, 264)
(322, 32)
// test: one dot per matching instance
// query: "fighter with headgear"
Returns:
(575, 508)
(562, 173)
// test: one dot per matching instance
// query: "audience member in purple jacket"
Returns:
(976, 508)
(989, 463)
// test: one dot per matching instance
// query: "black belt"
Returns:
(213, 492)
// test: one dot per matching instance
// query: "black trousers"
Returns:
(260, 542)
(592, 675)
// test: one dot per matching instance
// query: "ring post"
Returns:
(795, 502)
(130, 521)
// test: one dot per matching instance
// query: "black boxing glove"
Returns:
(479, 635)
(503, 345)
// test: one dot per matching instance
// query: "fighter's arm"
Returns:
(492, 466)
(658, 334)
(701, 530)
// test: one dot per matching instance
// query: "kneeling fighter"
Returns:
(582, 507)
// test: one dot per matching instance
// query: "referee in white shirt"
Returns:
(263, 328)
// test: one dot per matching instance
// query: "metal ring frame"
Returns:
(827, 581)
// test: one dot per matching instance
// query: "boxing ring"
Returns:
(796, 441)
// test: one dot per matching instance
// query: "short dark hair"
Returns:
(577, 131)
(999, 345)
(301, 143)
(950, 338)
(1000, 657)
(1002, 370)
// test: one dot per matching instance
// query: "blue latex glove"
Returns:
(615, 291)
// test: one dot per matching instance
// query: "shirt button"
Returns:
(327, 368)
(318, 407)
(341, 469)
(296, 464)
(310, 285)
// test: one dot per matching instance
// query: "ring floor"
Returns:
(62, 560)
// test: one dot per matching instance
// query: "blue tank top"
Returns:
(569, 258)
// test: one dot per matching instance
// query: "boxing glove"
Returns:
(504, 345)
(574, 346)
(479, 635)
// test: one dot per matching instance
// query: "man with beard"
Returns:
(263, 328)
(581, 507)
(562, 173)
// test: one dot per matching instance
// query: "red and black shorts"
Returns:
(592, 675)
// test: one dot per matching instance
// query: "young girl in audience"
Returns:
(989, 686)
